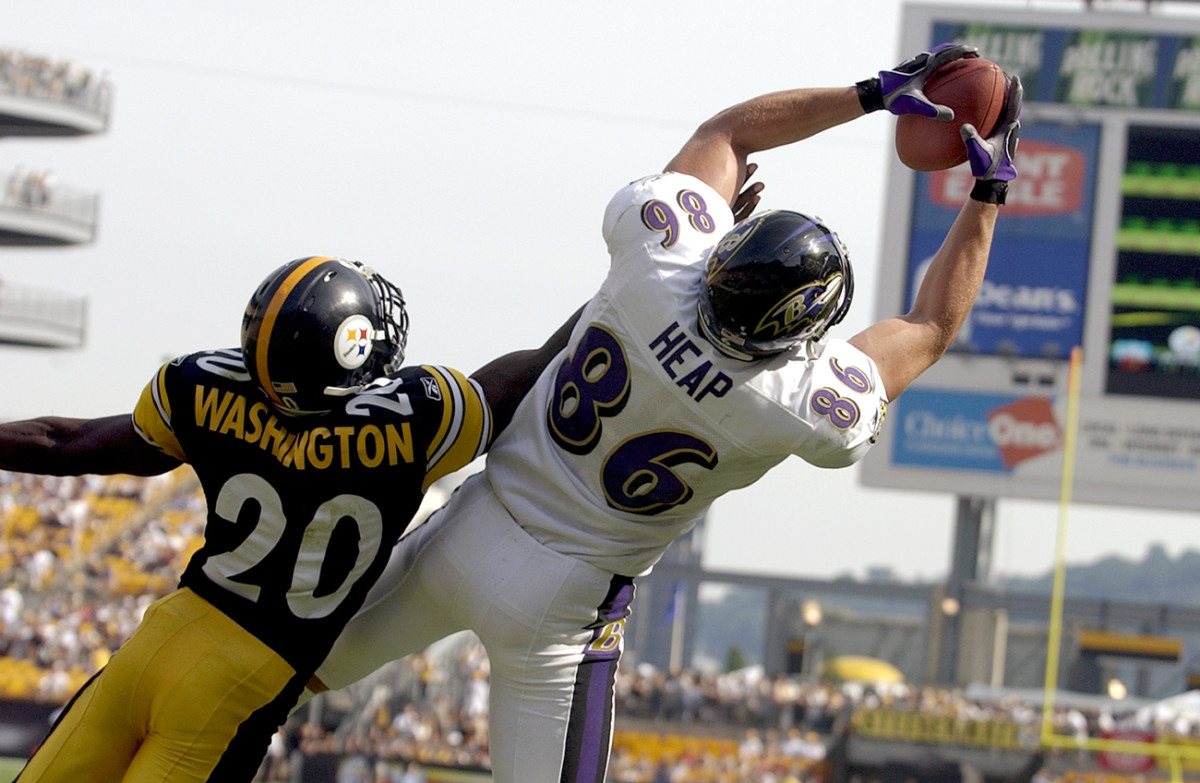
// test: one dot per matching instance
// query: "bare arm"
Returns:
(59, 446)
(716, 153)
(507, 379)
(906, 346)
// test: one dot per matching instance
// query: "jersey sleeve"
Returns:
(677, 215)
(152, 416)
(845, 403)
(465, 429)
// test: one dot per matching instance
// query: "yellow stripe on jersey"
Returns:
(466, 427)
(152, 417)
(268, 323)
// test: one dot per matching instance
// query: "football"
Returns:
(975, 88)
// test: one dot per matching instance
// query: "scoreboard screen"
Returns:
(1155, 314)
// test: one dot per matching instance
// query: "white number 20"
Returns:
(268, 530)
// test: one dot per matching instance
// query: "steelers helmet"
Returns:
(775, 280)
(319, 328)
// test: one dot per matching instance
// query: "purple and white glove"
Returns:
(901, 90)
(992, 158)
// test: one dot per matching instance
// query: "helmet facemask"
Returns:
(388, 342)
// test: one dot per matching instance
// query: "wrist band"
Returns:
(870, 95)
(990, 191)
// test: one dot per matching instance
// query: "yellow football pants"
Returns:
(169, 703)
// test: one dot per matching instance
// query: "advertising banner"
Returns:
(1032, 299)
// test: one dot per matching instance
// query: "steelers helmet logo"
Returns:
(352, 342)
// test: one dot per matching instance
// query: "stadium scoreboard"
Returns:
(1098, 247)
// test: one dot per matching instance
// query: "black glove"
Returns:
(901, 90)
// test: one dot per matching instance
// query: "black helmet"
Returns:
(777, 279)
(322, 327)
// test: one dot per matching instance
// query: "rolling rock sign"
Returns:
(1186, 77)
(1106, 69)
(1103, 68)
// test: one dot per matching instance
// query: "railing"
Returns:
(30, 316)
(37, 193)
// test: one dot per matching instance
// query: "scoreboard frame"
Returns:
(1094, 249)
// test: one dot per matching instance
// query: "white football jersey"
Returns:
(631, 434)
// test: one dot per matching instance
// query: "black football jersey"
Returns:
(303, 511)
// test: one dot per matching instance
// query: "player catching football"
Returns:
(702, 362)
(314, 449)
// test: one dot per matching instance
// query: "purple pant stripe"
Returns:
(589, 731)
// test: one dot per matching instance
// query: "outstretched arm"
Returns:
(506, 380)
(59, 446)
(716, 153)
(906, 346)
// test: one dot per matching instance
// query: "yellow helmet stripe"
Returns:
(268, 323)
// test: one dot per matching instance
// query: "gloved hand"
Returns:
(992, 158)
(901, 90)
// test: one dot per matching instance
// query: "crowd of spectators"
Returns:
(82, 557)
(80, 560)
(37, 76)
(742, 698)
(431, 710)
(31, 75)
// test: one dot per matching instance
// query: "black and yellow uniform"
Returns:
(302, 514)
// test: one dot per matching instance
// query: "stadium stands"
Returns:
(32, 82)
(43, 97)
(81, 558)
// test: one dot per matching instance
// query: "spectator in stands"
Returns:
(297, 436)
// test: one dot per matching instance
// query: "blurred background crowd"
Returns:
(82, 558)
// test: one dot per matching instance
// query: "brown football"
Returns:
(975, 88)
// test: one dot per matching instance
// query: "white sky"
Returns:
(467, 150)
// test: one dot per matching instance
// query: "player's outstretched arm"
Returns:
(506, 379)
(906, 346)
(716, 153)
(59, 446)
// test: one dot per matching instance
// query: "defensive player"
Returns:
(701, 363)
(314, 449)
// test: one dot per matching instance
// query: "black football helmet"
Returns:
(322, 327)
(777, 279)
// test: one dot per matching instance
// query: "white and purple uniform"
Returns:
(620, 448)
